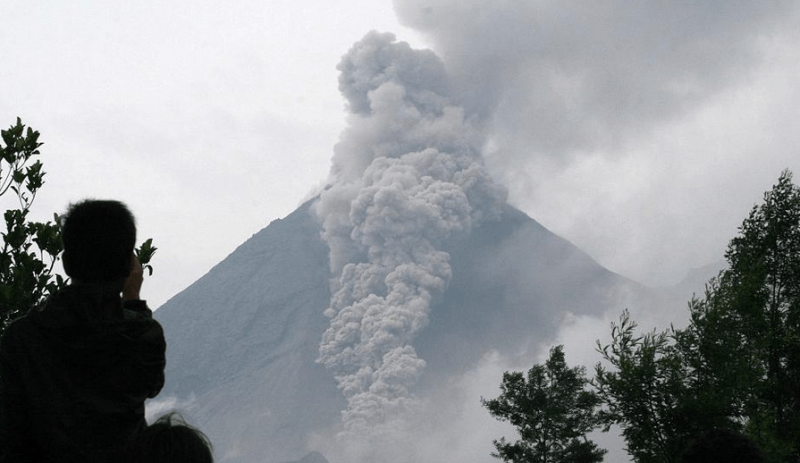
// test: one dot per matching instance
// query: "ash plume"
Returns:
(407, 176)
(559, 79)
(586, 99)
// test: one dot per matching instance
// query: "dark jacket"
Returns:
(74, 376)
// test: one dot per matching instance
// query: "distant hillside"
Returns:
(243, 339)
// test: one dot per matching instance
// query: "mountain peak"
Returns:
(243, 340)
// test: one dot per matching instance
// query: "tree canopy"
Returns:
(553, 412)
(734, 369)
(30, 249)
(747, 330)
(736, 366)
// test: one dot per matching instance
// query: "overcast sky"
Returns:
(641, 132)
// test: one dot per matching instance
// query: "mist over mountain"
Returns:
(367, 324)
(243, 341)
(313, 457)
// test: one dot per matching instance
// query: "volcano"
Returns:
(360, 327)
(243, 340)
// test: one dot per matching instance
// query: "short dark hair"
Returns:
(99, 237)
(171, 439)
(724, 446)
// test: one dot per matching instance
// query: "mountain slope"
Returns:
(243, 339)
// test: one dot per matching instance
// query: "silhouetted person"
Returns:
(74, 374)
(170, 440)
(722, 446)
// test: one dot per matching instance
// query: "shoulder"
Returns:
(138, 318)
(137, 310)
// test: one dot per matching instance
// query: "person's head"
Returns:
(170, 439)
(99, 237)
(721, 445)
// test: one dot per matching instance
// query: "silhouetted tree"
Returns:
(553, 412)
(30, 249)
(642, 391)
(736, 366)
(746, 333)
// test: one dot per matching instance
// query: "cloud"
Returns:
(559, 78)
(154, 408)
(450, 425)
(612, 119)
(617, 125)
(407, 177)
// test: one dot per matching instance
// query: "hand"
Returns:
(133, 284)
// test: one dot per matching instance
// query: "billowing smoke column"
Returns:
(407, 177)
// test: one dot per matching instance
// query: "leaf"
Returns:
(18, 176)
(144, 253)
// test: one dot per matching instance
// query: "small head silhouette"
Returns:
(171, 439)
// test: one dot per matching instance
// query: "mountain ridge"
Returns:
(243, 339)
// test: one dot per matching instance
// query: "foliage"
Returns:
(145, 253)
(30, 249)
(747, 330)
(552, 411)
(736, 366)
(641, 394)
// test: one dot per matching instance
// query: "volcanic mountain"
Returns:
(365, 324)
(243, 340)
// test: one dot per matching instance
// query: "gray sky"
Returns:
(643, 134)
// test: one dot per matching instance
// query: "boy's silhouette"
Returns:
(74, 374)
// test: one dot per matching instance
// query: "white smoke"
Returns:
(563, 78)
(154, 408)
(407, 177)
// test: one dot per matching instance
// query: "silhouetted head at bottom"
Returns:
(171, 439)
(722, 446)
